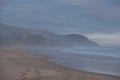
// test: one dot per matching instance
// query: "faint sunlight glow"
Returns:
(104, 39)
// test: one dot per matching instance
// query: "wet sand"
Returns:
(16, 64)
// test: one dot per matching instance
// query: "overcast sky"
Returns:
(97, 19)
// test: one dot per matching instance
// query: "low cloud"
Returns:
(77, 1)
(104, 39)
(61, 16)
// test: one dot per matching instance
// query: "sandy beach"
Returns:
(16, 64)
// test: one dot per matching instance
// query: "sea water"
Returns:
(91, 59)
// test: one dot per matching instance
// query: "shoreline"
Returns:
(15, 61)
(85, 71)
(74, 68)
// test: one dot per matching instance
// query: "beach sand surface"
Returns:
(16, 64)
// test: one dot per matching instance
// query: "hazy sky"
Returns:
(97, 19)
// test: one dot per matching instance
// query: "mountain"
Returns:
(13, 35)
(20, 36)
(79, 40)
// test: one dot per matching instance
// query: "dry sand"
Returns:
(22, 65)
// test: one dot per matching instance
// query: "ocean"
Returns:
(101, 60)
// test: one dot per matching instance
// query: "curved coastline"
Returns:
(15, 61)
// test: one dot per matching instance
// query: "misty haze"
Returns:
(60, 40)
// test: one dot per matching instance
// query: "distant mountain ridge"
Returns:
(20, 36)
